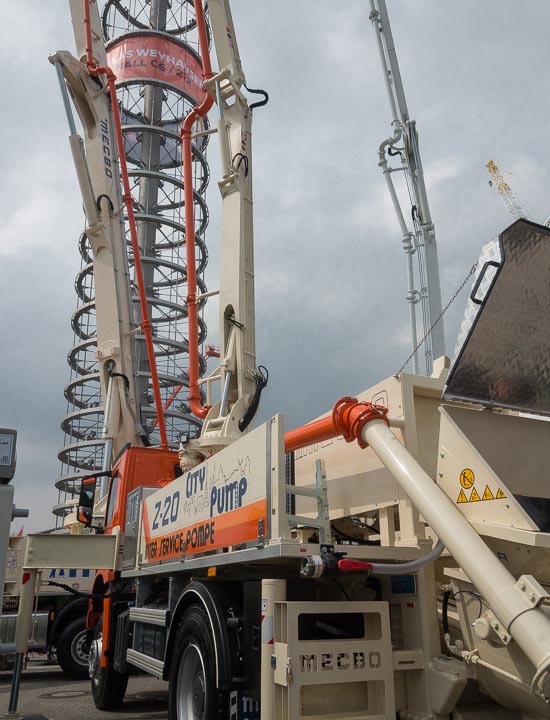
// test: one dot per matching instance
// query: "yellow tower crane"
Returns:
(497, 180)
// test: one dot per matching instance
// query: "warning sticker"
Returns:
(487, 494)
(474, 497)
(461, 497)
(467, 478)
(500, 495)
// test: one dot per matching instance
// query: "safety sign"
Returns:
(467, 480)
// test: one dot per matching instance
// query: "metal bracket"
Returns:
(534, 592)
(487, 624)
(261, 533)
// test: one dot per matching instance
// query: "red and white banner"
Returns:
(159, 58)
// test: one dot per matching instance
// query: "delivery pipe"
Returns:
(514, 607)
(195, 401)
(272, 591)
(22, 632)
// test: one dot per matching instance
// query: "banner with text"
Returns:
(156, 57)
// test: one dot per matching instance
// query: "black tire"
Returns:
(108, 685)
(192, 693)
(72, 650)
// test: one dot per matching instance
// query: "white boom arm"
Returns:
(422, 241)
(238, 374)
(96, 162)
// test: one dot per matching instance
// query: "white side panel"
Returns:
(220, 503)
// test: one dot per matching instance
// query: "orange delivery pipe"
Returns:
(348, 418)
(194, 398)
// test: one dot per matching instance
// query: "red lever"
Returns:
(346, 565)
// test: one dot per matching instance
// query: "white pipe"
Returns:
(378, 29)
(24, 613)
(225, 394)
(272, 591)
(407, 241)
(528, 625)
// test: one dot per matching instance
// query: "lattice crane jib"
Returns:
(506, 193)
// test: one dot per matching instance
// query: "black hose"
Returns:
(123, 376)
(254, 91)
(262, 377)
(78, 593)
(242, 160)
(393, 151)
(445, 611)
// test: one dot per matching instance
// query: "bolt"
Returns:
(523, 587)
(532, 597)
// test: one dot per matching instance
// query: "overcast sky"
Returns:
(330, 272)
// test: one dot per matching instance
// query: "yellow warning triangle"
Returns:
(474, 497)
(487, 494)
(462, 497)
(500, 495)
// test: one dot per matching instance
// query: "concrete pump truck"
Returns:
(274, 574)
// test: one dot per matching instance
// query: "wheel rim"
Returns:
(94, 659)
(191, 688)
(79, 650)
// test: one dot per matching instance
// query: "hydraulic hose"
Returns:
(409, 567)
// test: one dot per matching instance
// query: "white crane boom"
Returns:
(420, 241)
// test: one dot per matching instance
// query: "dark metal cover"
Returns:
(503, 351)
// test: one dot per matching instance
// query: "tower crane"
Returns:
(509, 198)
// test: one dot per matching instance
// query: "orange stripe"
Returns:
(232, 528)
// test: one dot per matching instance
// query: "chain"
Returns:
(438, 318)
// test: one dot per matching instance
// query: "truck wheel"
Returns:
(72, 650)
(108, 685)
(192, 690)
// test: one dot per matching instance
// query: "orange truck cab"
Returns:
(137, 466)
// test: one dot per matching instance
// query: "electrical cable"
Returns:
(474, 594)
